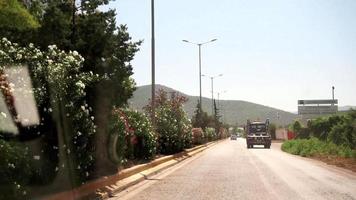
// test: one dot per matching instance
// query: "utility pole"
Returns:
(200, 75)
(333, 88)
(212, 91)
(212, 95)
(153, 89)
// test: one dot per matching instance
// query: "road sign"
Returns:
(317, 107)
(320, 101)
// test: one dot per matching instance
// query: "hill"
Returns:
(232, 111)
(346, 108)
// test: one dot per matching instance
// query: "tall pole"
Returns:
(153, 60)
(333, 88)
(200, 99)
(218, 99)
(200, 75)
(212, 95)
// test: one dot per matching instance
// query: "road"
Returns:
(229, 170)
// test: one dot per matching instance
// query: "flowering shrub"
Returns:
(198, 136)
(210, 134)
(134, 135)
(15, 170)
(58, 87)
(172, 124)
(223, 133)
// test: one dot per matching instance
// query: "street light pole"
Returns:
(333, 88)
(212, 95)
(200, 101)
(200, 75)
(212, 91)
(219, 97)
(153, 61)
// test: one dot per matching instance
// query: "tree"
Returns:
(296, 127)
(197, 120)
(15, 20)
(217, 123)
(202, 119)
(14, 16)
(272, 130)
(107, 50)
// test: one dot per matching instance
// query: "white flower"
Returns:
(51, 47)
(18, 56)
(3, 114)
(71, 58)
(80, 84)
(37, 157)
(38, 54)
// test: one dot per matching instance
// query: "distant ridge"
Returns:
(346, 108)
(232, 111)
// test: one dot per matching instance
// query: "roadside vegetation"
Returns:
(331, 138)
(315, 147)
(78, 61)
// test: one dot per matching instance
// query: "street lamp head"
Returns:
(203, 75)
(213, 40)
(185, 40)
(220, 74)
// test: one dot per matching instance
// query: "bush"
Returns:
(337, 129)
(59, 86)
(132, 136)
(144, 138)
(315, 147)
(223, 133)
(272, 130)
(15, 170)
(172, 124)
(210, 134)
(321, 127)
(198, 136)
(344, 132)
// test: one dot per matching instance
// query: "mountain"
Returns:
(232, 111)
(346, 108)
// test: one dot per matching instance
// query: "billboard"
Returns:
(317, 107)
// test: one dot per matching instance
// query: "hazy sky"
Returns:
(269, 52)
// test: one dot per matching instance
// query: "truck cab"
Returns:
(257, 134)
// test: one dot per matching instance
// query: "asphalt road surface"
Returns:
(229, 170)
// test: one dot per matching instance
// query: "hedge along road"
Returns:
(230, 171)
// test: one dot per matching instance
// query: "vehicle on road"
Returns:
(233, 137)
(257, 134)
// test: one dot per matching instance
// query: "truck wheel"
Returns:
(248, 146)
